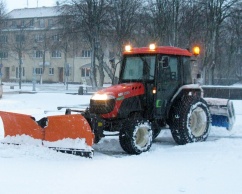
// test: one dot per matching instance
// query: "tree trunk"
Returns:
(93, 66)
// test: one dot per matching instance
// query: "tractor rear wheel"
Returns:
(190, 120)
(135, 136)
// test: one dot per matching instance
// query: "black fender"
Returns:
(185, 90)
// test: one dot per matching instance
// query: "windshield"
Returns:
(139, 68)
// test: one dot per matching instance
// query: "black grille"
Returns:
(102, 106)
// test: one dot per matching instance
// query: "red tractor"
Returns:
(155, 90)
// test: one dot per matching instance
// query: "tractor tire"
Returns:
(190, 120)
(136, 136)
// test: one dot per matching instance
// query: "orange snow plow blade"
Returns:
(20, 124)
(65, 133)
(68, 126)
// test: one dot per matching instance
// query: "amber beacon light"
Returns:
(152, 46)
(196, 50)
(128, 48)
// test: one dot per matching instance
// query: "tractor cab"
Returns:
(162, 70)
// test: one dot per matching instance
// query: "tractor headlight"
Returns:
(102, 103)
(102, 97)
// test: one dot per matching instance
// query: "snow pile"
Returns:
(21, 140)
(64, 143)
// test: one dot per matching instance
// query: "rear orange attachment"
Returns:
(20, 124)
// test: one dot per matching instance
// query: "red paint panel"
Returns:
(121, 92)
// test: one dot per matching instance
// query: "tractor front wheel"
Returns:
(136, 136)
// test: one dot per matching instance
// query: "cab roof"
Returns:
(168, 50)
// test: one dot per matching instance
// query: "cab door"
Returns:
(167, 82)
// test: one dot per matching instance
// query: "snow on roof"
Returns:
(38, 12)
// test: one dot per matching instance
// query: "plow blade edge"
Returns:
(64, 133)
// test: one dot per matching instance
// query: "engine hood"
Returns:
(124, 90)
(107, 102)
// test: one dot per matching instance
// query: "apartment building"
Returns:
(30, 45)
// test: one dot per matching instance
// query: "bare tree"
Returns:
(156, 19)
(40, 46)
(233, 30)
(3, 36)
(21, 45)
(164, 20)
(215, 12)
(91, 19)
(68, 37)
(124, 20)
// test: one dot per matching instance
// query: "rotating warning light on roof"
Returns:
(127, 48)
(196, 50)
(152, 46)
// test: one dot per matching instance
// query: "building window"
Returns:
(22, 23)
(39, 38)
(38, 71)
(86, 53)
(5, 24)
(41, 23)
(17, 72)
(51, 71)
(3, 39)
(56, 38)
(85, 72)
(38, 54)
(50, 22)
(78, 53)
(20, 38)
(31, 23)
(3, 55)
(56, 54)
(14, 24)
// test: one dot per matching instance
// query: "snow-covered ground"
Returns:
(214, 166)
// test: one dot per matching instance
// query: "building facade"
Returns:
(31, 46)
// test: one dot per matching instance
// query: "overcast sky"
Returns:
(17, 4)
